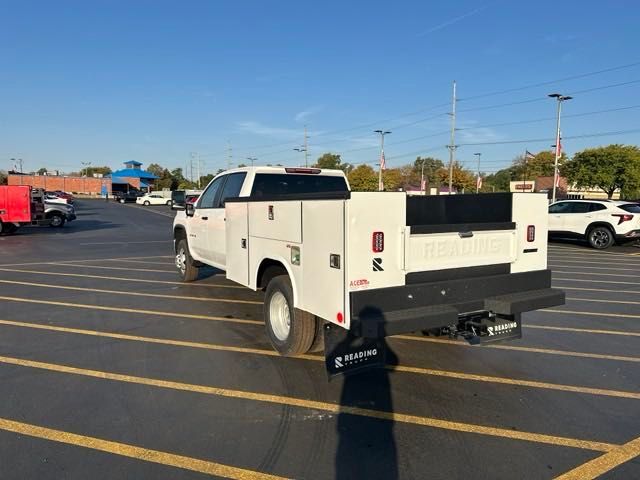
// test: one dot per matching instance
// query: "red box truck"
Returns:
(20, 205)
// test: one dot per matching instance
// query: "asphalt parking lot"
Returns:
(111, 368)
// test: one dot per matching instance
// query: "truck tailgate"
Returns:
(428, 248)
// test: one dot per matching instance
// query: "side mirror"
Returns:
(189, 209)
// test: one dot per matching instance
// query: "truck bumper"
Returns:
(451, 303)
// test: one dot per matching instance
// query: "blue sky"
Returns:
(107, 81)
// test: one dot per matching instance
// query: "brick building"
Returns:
(85, 185)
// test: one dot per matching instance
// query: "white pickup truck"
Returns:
(344, 270)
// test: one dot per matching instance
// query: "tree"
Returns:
(332, 161)
(363, 179)
(431, 167)
(499, 180)
(541, 165)
(392, 179)
(100, 170)
(42, 171)
(205, 179)
(609, 168)
(156, 169)
(3, 177)
(242, 165)
(461, 179)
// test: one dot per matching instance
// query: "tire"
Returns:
(600, 237)
(318, 339)
(290, 331)
(185, 263)
(146, 203)
(57, 220)
(168, 203)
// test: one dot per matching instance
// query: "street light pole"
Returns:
(478, 178)
(302, 150)
(422, 185)
(560, 99)
(382, 160)
(452, 146)
(252, 159)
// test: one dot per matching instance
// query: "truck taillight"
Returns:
(377, 242)
(622, 217)
(303, 170)
(531, 233)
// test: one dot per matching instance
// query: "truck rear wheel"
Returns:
(185, 263)
(291, 331)
(7, 228)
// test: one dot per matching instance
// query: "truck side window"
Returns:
(232, 187)
(209, 195)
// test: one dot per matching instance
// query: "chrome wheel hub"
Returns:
(181, 261)
(279, 316)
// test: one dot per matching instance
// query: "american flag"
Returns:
(479, 182)
(557, 179)
(383, 165)
(559, 148)
(423, 185)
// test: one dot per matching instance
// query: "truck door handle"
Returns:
(205, 218)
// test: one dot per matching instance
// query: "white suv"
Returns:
(600, 222)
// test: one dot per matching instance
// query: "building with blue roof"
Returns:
(132, 176)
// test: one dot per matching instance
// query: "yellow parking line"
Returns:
(555, 249)
(61, 264)
(605, 463)
(598, 274)
(584, 330)
(563, 259)
(582, 289)
(84, 260)
(594, 268)
(599, 300)
(132, 451)
(548, 351)
(123, 279)
(592, 314)
(555, 279)
(322, 406)
(131, 310)
(272, 353)
(136, 294)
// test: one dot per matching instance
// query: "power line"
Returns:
(571, 137)
(550, 82)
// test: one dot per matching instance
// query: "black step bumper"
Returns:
(427, 306)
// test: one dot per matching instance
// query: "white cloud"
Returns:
(303, 115)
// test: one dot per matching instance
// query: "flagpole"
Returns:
(382, 161)
(524, 174)
(559, 98)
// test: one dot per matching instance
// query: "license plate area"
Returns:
(487, 327)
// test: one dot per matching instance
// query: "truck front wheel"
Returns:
(291, 331)
(186, 265)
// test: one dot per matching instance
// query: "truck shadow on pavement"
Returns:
(366, 446)
(69, 229)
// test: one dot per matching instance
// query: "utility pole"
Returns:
(229, 156)
(196, 156)
(306, 148)
(560, 99)
(252, 159)
(452, 146)
(478, 178)
(85, 167)
(382, 159)
(422, 184)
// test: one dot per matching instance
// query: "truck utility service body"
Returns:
(357, 267)
(22, 205)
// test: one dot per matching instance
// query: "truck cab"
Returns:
(203, 224)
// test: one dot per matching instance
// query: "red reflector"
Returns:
(531, 233)
(377, 242)
(339, 317)
(302, 170)
(623, 217)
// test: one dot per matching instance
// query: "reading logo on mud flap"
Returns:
(356, 357)
(501, 328)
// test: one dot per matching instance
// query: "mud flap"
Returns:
(346, 353)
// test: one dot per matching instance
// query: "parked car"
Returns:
(53, 198)
(153, 199)
(58, 214)
(600, 222)
(59, 193)
(126, 197)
